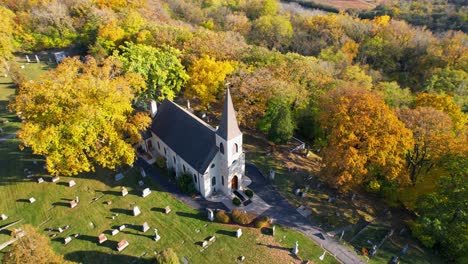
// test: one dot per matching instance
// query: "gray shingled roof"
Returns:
(191, 138)
(228, 128)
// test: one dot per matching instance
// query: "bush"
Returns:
(185, 184)
(236, 201)
(161, 162)
(249, 193)
(222, 217)
(167, 256)
(262, 221)
(242, 218)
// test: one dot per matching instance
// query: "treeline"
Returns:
(380, 98)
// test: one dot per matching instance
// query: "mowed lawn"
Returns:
(100, 198)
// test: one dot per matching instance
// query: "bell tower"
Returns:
(229, 142)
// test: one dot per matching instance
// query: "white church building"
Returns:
(213, 157)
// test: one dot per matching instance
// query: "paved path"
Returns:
(284, 214)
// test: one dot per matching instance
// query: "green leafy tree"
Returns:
(442, 216)
(282, 125)
(167, 256)
(80, 115)
(273, 32)
(162, 69)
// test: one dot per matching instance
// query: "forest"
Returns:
(380, 94)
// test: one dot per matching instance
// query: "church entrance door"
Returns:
(234, 183)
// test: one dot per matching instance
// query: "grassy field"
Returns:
(183, 229)
(342, 211)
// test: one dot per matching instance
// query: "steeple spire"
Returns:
(228, 128)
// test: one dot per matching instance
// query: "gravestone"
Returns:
(143, 172)
(141, 183)
(405, 249)
(102, 238)
(342, 234)
(210, 215)
(145, 192)
(115, 232)
(145, 227)
(296, 248)
(273, 230)
(67, 240)
(241, 258)
(156, 235)
(167, 209)
(272, 174)
(323, 255)
(297, 191)
(122, 227)
(55, 179)
(122, 245)
(124, 191)
(77, 199)
(239, 233)
(205, 243)
(32, 200)
(37, 59)
(28, 59)
(211, 238)
(118, 177)
(60, 230)
(3, 217)
(71, 183)
(136, 211)
(353, 197)
(73, 204)
(302, 194)
(307, 188)
(40, 180)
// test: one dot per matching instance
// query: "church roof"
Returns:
(190, 137)
(228, 128)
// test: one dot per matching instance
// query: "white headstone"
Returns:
(3, 217)
(296, 248)
(71, 183)
(146, 192)
(77, 199)
(32, 200)
(239, 233)
(37, 59)
(73, 204)
(118, 177)
(145, 227)
(67, 240)
(60, 230)
(115, 232)
(273, 230)
(40, 180)
(156, 235)
(122, 227)
(136, 211)
(55, 179)
(124, 191)
(102, 238)
(27, 58)
(204, 243)
(297, 191)
(272, 174)
(167, 209)
(210, 215)
(405, 249)
(323, 255)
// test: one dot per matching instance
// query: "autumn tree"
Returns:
(365, 138)
(446, 104)
(433, 139)
(161, 68)
(6, 36)
(273, 32)
(167, 256)
(31, 247)
(207, 76)
(80, 115)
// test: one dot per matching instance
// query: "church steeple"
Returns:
(228, 128)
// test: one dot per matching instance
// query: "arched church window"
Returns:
(183, 166)
(222, 180)
(159, 146)
(174, 160)
(235, 148)
(213, 181)
(221, 148)
(165, 152)
(195, 177)
(212, 165)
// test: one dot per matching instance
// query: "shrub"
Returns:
(262, 221)
(161, 162)
(167, 256)
(249, 193)
(242, 218)
(222, 217)
(236, 201)
(185, 184)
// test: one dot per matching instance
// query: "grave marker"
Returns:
(71, 183)
(102, 238)
(204, 243)
(73, 204)
(211, 238)
(156, 235)
(273, 230)
(272, 174)
(239, 233)
(296, 248)
(3, 217)
(67, 240)
(124, 191)
(405, 249)
(297, 191)
(323, 255)
(145, 192)
(55, 179)
(60, 230)
(119, 177)
(136, 211)
(115, 232)
(122, 227)
(145, 227)
(32, 200)
(40, 180)
(28, 59)
(167, 209)
(37, 59)
(210, 214)
(122, 245)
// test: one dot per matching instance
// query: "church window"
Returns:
(222, 180)
(183, 166)
(174, 160)
(159, 146)
(165, 152)
(212, 165)
(221, 148)
(195, 177)
(213, 181)
(234, 161)
(235, 148)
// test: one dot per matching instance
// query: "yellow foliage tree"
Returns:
(365, 138)
(32, 247)
(446, 104)
(80, 115)
(206, 78)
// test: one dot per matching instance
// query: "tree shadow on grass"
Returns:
(121, 211)
(157, 209)
(275, 247)
(199, 216)
(115, 193)
(101, 257)
(136, 234)
(226, 233)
